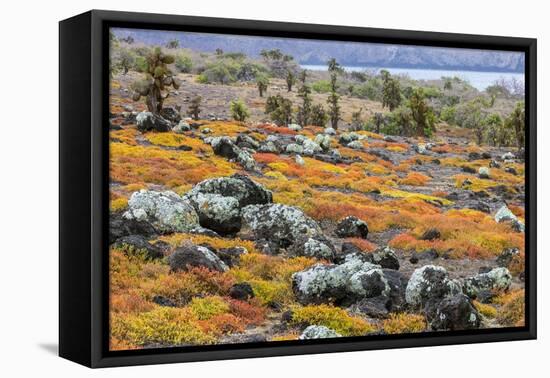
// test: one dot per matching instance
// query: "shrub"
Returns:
(321, 86)
(404, 323)
(331, 317)
(163, 325)
(119, 204)
(512, 310)
(222, 324)
(485, 309)
(415, 179)
(319, 116)
(184, 63)
(279, 109)
(208, 307)
(195, 107)
(239, 111)
(251, 313)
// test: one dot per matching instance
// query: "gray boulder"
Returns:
(294, 148)
(386, 258)
(348, 282)
(504, 214)
(245, 141)
(279, 224)
(165, 211)
(190, 255)
(224, 146)
(483, 172)
(430, 283)
(453, 313)
(138, 244)
(496, 280)
(356, 145)
(505, 258)
(323, 140)
(311, 148)
(352, 226)
(171, 114)
(329, 131)
(294, 127)
(181, 127)
(318, 332)
(218, 201)
(147, 121)
(313, 246)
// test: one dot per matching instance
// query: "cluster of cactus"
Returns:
(158, 78)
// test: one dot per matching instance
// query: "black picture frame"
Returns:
(83, 182)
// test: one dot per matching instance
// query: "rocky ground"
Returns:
(225, 232)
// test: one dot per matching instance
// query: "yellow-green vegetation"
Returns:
(206, 308)
(404, 323)
(485, 309)
(512, 310)
(332, 317)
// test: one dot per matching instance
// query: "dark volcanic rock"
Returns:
(453, 313)
(506, 257)
(171, 114)
(429, 283)
(377, 307)
(195, 256)
(352, 227)
(386, 258)
(120, 227)
(231, 256)
(147, 121)
(431, 234)
(138, 244)
(241, 291)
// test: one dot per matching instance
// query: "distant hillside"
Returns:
(347, 53)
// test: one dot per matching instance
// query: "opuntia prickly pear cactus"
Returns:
(158, 78)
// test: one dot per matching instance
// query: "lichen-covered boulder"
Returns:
(218, 201)
(356, 145)
(316, 246)
(171, 114)
(506, 257)
(119, 227)
(421, 149)
(311, 148)
(269, 147)
(138, 244)
(294, 127)
(351, 227)
(318, 332)
(224, 146)
(504, 214)
(147, 121)
(323, 140)
(165, 211)
(294, 148)
(181, 127)
(246, 141)
(299, 160)
(454, 313)
(329, 131)
(496, 280)
(245, 159)
(483, 172)
(279, 224)
(355, 278)
(218, 213)
(429, 283)
(189, 256)
(239, 186)
(299, 139)
(386, 258)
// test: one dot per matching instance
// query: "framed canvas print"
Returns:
(233, 188)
